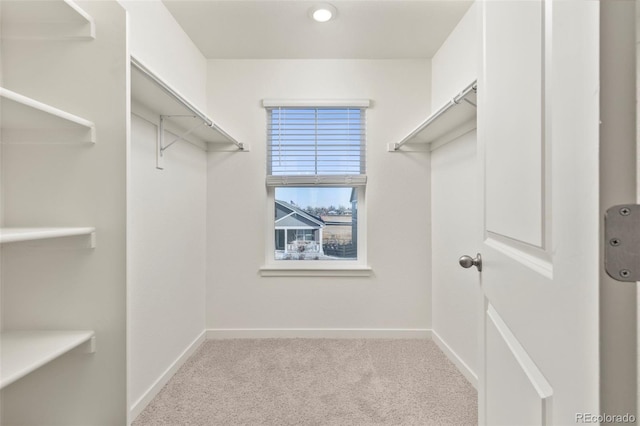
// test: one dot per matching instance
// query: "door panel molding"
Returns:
(522, 395)
(531, 257)
(517, 208)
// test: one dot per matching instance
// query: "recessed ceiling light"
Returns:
(322, 12)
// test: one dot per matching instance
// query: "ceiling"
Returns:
(363, 29)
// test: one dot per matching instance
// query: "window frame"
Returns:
(357, 267)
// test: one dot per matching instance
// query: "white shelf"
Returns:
(46, 20)
(153, 93)
(22, 352)
(27, 120)
(11, 235)
(453, 115)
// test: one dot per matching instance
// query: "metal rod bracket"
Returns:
(163, 147)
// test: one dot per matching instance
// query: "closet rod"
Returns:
(150, 75)
(473, 87)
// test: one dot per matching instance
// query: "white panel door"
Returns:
(538, 147)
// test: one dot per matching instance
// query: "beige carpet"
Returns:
(315, 382)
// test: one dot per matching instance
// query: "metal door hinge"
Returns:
(622, 242)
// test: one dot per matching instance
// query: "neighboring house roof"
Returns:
(296, 221)
(289, 215)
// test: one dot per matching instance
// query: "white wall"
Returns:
(456, 220)
(455, 64)
(62, 283)
(167, 214)
(166, 254)
(397, 295)
(158, 41)
(455, 207)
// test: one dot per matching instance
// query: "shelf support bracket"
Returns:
(91, 345)
(470, 103)
(92, 242)
(161, 147)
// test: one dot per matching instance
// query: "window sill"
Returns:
(315, 271)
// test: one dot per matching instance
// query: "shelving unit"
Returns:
(175, 111)
(27, 120)
(22, 352)
(441, 126)
(11, 235)
(49, 20)
(32, 32)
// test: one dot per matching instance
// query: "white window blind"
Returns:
(316, 146)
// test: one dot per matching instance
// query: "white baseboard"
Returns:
(147, 397)
(455, 359)
(318, 333)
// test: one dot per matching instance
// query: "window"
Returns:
(316, 174)
(315, 223)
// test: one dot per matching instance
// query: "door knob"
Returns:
(468, 261)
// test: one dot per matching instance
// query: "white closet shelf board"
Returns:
(24, 119)
(441, 126)
(22, 352)
(46, 20)
(11, 235)
(154, 97)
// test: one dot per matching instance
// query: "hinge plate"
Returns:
(622, 242)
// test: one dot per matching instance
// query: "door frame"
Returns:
(619, 171)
